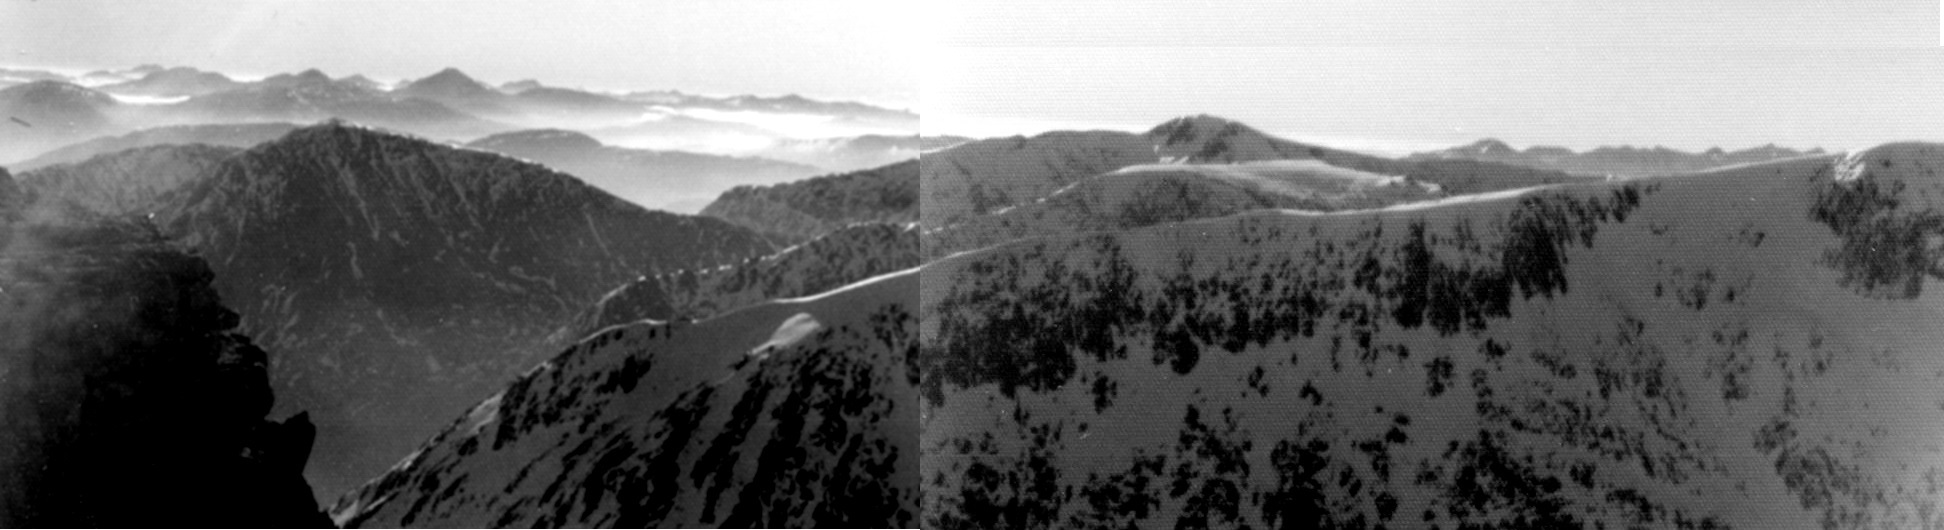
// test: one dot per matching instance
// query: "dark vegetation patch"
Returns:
(1885, 252)
(1018, 317)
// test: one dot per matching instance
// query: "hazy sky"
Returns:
(1364, 74)
(1396, 76)
(850, 49)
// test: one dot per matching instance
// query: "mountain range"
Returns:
(1623, 161)
(674, 181)
(53, 109)
(398, 278)
(1196, 325)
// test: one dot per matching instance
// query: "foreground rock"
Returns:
(129, 401)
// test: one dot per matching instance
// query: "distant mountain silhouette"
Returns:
(1624, 161)
(663, 180)
(852, 153)
(179, 81)
(44, 114)
(311, 96)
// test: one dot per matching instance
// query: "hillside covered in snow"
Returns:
(1751, 347)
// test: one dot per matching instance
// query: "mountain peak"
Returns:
(448, 83)
(1196, 129)
(1489, 146)
(311, 76)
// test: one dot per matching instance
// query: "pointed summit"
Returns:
(310, 77)
(448, 83)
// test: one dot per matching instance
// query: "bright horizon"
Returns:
(1380, 76)
(1396, 77)
(844, 50)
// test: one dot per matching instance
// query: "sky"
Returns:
(1395, 77)
(1378, 75)
(854, 50)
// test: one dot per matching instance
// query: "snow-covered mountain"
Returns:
(795, 413)
(663, 180)
(1751, 347)
(985, 176)
(400, 280)
(1150, 194)
(805, 209)
(848, 255)
(1623, 161)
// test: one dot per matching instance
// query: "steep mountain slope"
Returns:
(848, 255)
(122, 183)
(127, 396)
(663, 180)
(400, 279)
(981, 177)
(1149, 194)
(790, 414)
(45, 114)
(1624, 161)
(1750, 347)
(227, 134)
(805, 209)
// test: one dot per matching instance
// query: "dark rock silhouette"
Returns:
(128, 400)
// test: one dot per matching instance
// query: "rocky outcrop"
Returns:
(130, 400)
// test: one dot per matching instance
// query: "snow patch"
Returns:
(130, 99)
(792, 331)
(1850, 167)
(484, 413)
(851, 287)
